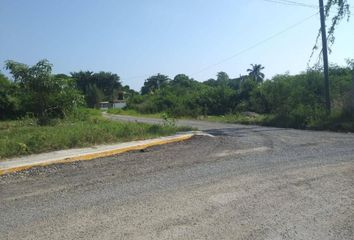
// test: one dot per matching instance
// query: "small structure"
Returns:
(104, 105)
(117, 104)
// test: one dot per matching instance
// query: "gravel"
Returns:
(247, 182)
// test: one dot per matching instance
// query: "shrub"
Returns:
(42, 93)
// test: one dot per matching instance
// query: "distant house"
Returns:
(104, 105)
(118, 103)
(114, 104)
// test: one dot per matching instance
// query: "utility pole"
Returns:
(353, 87)
(325, 57)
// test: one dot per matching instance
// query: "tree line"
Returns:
(36, 91)
(292, 100)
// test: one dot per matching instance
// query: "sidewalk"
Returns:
(81, 154)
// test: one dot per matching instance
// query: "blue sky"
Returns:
(138, 38)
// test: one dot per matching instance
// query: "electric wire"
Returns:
(256, 44)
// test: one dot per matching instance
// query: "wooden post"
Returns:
(325, 57)
(353, 88)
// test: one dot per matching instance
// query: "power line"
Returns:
(284, 2)
(291, 3)
(256, 44)
(299, 3)
(135, 77)
(294, 3)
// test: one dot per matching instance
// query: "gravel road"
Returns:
(247, 182)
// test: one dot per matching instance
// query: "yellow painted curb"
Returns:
(90, 156)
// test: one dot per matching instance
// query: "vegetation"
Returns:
(101, 86)
(43, 112)
(132, 112)
(286, 101)
(255, 72)
(336, 11)
(9, 103)
(36, 91)
(81, 129)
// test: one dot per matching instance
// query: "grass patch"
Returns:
(241, 119)
(131, 112)
(337, 121)
(22, 137)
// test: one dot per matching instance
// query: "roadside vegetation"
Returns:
(84, 128)
(43, 112)
(132, 112)
(295, 101)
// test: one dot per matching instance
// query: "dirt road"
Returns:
(244, 183)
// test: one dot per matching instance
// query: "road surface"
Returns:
(247, 182)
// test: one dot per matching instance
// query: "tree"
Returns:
(222, 78)
(340, 9)
(109, 83)
(343, 11)
(235, 83)
(101, 85)
(350, 63)
(154, 83)
(82, 80)
(93, 96)
(43, 94)
(181, 80)
(211, 82)
(8, 101)
(255, 72)
(128, 92)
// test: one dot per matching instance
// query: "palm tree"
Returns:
(256, 73)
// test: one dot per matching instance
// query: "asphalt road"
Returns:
(247, 182)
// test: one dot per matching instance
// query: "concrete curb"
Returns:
(67, 156)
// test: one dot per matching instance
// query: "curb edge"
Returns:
(103, 153)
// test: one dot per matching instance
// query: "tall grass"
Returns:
(337, 121)
(22, 137)
(132, 112)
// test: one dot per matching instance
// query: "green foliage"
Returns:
(242, 118)
(154, 83)
(41, 93)
(97, 87)
(22, 137)
(93, 96)
(342, 9)
(336, 11)
(83, 114)
(287, 100)
(222, 78)
(128, 92)
(9, 103)
(132, 112)
(255, 72)
(168, 121)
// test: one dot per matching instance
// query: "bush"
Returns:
(9, 102)
(43, 94)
